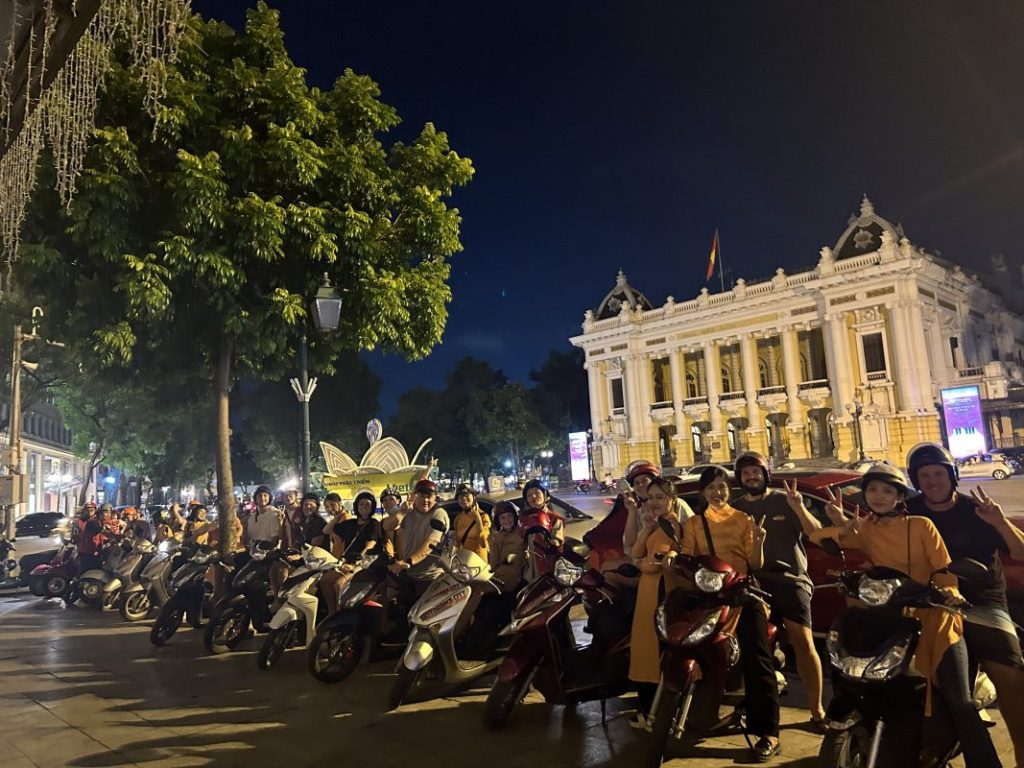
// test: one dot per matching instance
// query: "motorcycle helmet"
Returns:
(503, 507)
(887, 474)
(535, 483)
(264, 489)
(753, 459)
(364, 495)
(465, 488)
(928, 454)
(638, 468)
(311, 496)
(392, 493)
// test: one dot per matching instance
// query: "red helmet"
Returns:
(753, 459)
(640, 467)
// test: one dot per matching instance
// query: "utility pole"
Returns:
(12, 486)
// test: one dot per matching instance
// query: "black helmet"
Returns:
(753, 459)
(389, 491)
(887, 473)
(263, 489)
(364, 495)
(927, 454)
(535, 483)
(465, 488)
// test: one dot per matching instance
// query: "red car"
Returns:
(605, 539)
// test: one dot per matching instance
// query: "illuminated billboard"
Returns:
(579, 456)
(965, 429)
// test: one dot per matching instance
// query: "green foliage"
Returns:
(210, 230)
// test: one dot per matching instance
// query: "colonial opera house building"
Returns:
(853, 356)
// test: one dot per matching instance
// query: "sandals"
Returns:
(764, 749)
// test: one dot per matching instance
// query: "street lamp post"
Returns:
(326, 310)
(856, 410)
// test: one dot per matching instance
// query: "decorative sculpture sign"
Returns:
(385, 464)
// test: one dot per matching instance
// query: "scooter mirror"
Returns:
(831, 547)
(967, 569)
(628, 570)
(437, 525)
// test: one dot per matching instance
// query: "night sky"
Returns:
(620, 134)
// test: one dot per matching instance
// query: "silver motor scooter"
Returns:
(430, 666)
(153, 587)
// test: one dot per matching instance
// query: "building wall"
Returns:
(818, 365)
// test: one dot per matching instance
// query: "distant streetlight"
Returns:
(508, 463)
(326, 311)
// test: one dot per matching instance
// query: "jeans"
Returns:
(955, 689)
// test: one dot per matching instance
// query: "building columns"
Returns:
(713, 385)
(755, 427)
(837, 354)
(791, 370)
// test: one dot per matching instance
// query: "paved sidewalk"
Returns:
(81, 688)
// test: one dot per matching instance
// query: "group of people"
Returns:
(761, 530)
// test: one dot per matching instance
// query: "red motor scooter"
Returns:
(53, 579)
(699, 660)
(545, 652)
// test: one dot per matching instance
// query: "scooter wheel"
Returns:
(845, 749)
(334, 654)
(55, 586)
(134, 606)
(166, 625)
(37, 586)
(407, 679)
(92, 593)
(273, 646)
(505, 696)
(226, 630)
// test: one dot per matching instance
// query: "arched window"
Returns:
(691, 385)
(762, 368)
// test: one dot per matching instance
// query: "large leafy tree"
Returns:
(203, 236)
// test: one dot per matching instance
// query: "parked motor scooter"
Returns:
(876, 715)
(122, 563)
(246, 603)
(299, 606)
(53, 579)
(153, 587)
(189, 597)
(368, 613)
(10, 576)
(545, 652)
(700, 660)
(430, 665)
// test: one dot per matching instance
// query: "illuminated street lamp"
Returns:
(326, 311)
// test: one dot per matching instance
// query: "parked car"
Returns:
(38, 524)
(605, 539)
(694, 472)
(565, 509)
(991, 464)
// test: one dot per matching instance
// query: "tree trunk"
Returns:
(225, 479)
(94, 461)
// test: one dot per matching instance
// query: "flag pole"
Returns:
(721, 268)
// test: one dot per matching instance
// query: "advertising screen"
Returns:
(579, 457)
(961, 407)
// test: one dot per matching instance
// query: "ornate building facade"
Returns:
(819, 366)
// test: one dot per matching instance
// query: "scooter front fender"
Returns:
(525, 652)
(96, 574)
(113, 585)
(286, 614)
(133, 588)
(418, 654)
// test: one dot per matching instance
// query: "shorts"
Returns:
(790, 599)
(990, 635)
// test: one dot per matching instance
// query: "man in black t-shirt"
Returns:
(311, 525)
(974, 526)
(784, 574)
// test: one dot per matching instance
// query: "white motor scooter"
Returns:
(438, 619)
(298, 603)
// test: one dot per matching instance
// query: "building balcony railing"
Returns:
(815, 384)
(696, 401)
(731, 396)
(780, 390)
(969, 371)
(878, 376)
(661, 405)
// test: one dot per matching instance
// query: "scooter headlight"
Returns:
(164, 546)
(463, 572)
(876, 592)
(709, 581)
(700, 633)
(889, 663)
(566, 573)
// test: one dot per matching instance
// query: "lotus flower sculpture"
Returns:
(385, 464)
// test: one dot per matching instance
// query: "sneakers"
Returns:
(640, 722)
